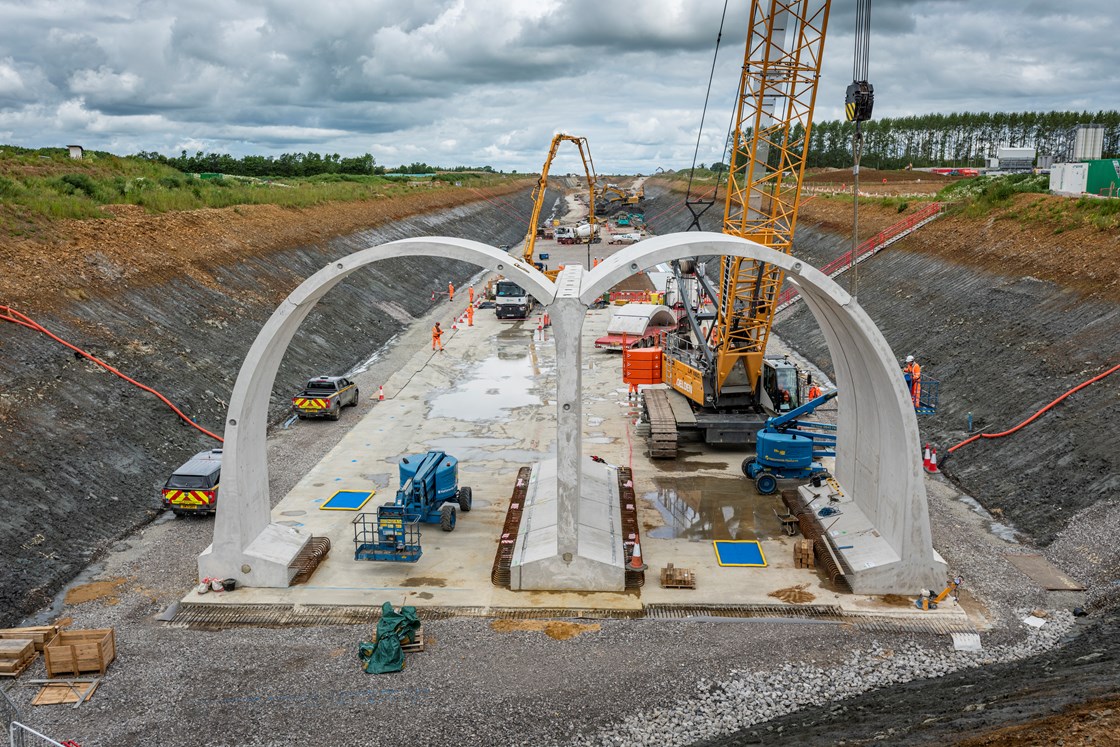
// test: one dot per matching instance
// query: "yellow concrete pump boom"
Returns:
(542, 185)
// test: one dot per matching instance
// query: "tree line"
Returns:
(290, 164)
(957, 139)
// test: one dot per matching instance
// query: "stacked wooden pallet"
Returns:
(677, 578)
(16, 655)
(803, 556)
(40, 635)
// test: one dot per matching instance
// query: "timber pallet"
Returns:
(16, 655)
(416, 644)
(677, 578)
(804, 555)
(40, 635)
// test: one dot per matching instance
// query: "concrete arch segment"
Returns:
(247, 545)
(879, 441)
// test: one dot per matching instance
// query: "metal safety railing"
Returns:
(9, 711)
(868, 248)
(21, 735)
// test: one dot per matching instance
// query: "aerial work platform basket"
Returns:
(390, 534)
(927, 398)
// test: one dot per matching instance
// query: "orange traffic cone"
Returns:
(381, 393)
(933, 461)
(636, 563)
(925, 459)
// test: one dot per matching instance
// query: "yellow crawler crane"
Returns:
(542, 185)
(719, 362)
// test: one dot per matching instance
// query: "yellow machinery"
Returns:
(926, 600)
(611, 198)
(542, 186)
(719, 362)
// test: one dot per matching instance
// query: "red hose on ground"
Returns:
(1038, 414)
(8, 314)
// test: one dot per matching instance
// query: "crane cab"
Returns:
(779, 390)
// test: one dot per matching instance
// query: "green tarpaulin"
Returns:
(393, 629)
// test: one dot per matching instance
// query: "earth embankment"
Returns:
(175, 301)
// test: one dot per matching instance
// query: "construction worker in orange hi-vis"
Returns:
(913, 373)
(450, 291)
(437, 333)
(470, 316)
(814, 391)
(470, 292)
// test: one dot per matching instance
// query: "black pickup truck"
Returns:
(324, 397)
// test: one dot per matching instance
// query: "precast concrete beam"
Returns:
(247, 545)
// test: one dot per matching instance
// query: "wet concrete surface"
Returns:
(713, 508)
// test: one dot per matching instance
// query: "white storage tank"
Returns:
(1088, 142)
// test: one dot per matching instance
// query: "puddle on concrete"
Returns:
(687, 465)
(293, 513)
(469, 449)
(498, 386)
(713, 508)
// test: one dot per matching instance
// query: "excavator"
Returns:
(717, 362)
(611, 198)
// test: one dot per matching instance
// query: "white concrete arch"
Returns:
(878, 438)
(247, 545)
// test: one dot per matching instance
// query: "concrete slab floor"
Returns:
(487, 399)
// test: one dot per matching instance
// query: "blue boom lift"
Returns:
(788, 448)
(429, 493)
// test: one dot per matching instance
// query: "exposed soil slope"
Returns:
(175, 301)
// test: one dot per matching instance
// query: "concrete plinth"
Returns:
(266, 561)
(871, 565)
(598, 564)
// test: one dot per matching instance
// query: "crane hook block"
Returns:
(859, 101)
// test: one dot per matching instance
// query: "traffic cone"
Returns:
(454, 325)
(933, 461)
(636, 563)
(381, 393)
(925, 459)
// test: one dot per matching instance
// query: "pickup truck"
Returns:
(193, 488)
(324, 397)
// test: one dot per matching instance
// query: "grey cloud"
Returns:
(478, 81)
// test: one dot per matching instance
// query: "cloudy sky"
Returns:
(490, 81)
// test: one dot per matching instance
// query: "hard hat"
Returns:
(909, 359)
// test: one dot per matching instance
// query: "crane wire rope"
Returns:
(704, 114)
(1038, 414)
(8, 314)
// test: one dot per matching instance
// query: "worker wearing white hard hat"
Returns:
(913, 374)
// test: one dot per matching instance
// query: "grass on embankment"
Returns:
(40, 186)
(986, 197)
